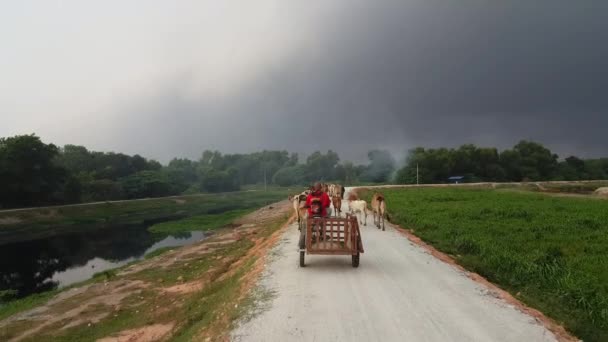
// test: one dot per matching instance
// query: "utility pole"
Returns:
(265, 188)
(417, 178)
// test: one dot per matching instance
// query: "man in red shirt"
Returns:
(318, 202)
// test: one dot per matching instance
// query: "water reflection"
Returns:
(44, 264)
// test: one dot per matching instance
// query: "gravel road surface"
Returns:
(399, 293)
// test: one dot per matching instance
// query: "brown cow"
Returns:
(352, 196)
(325, 187)
(378, 208)
(336, 190)
(337, 203)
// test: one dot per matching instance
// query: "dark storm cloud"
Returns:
(397, 74)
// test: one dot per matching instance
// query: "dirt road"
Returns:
(399, 293)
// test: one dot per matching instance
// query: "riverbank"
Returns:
(39, 223)
(41, 250)
(190, 292)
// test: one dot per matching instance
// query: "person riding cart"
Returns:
(325, 235)
(318, 202)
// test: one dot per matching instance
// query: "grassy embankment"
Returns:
(15, 306)
(193, 292)
(199, 222)
(39, 223)
(563, 187)
(550, 252)
(219, 208)
(584, 188)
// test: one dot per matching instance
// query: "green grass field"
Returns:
(199, 222)
(551, 252)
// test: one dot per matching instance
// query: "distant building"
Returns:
(456, 179)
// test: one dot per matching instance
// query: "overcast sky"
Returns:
(172, 78)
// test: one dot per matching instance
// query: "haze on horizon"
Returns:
(170, 79)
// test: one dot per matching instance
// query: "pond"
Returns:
(44, 264)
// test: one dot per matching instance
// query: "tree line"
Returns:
(526, 161)
(33, 173)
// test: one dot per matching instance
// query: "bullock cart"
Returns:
(331, 236)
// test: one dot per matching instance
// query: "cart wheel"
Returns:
(355, 260)
(302, 263)
(302, 243)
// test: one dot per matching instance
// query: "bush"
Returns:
(7, 295)
(146, 184)
(213, 180)
(102, 190)
(290, 176)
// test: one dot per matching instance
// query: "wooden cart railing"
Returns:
(333, 236)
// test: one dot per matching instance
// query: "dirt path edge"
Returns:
(220, 329)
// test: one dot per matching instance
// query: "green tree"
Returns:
(463, 160)
(488, 165)
(529, 160)
(28, 174)
(321, 166)
(596, 168)
(71, 191)
(146, 184)
(212, 180)
(290, 175)
(436, 165)
(407, 174)
(433, 166)
(351, 174)
(75, 159)
(181, 175)
(102, 190)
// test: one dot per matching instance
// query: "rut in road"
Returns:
(399, 293)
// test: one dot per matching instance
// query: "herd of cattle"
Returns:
(356, 206)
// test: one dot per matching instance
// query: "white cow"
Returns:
(358, 206)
